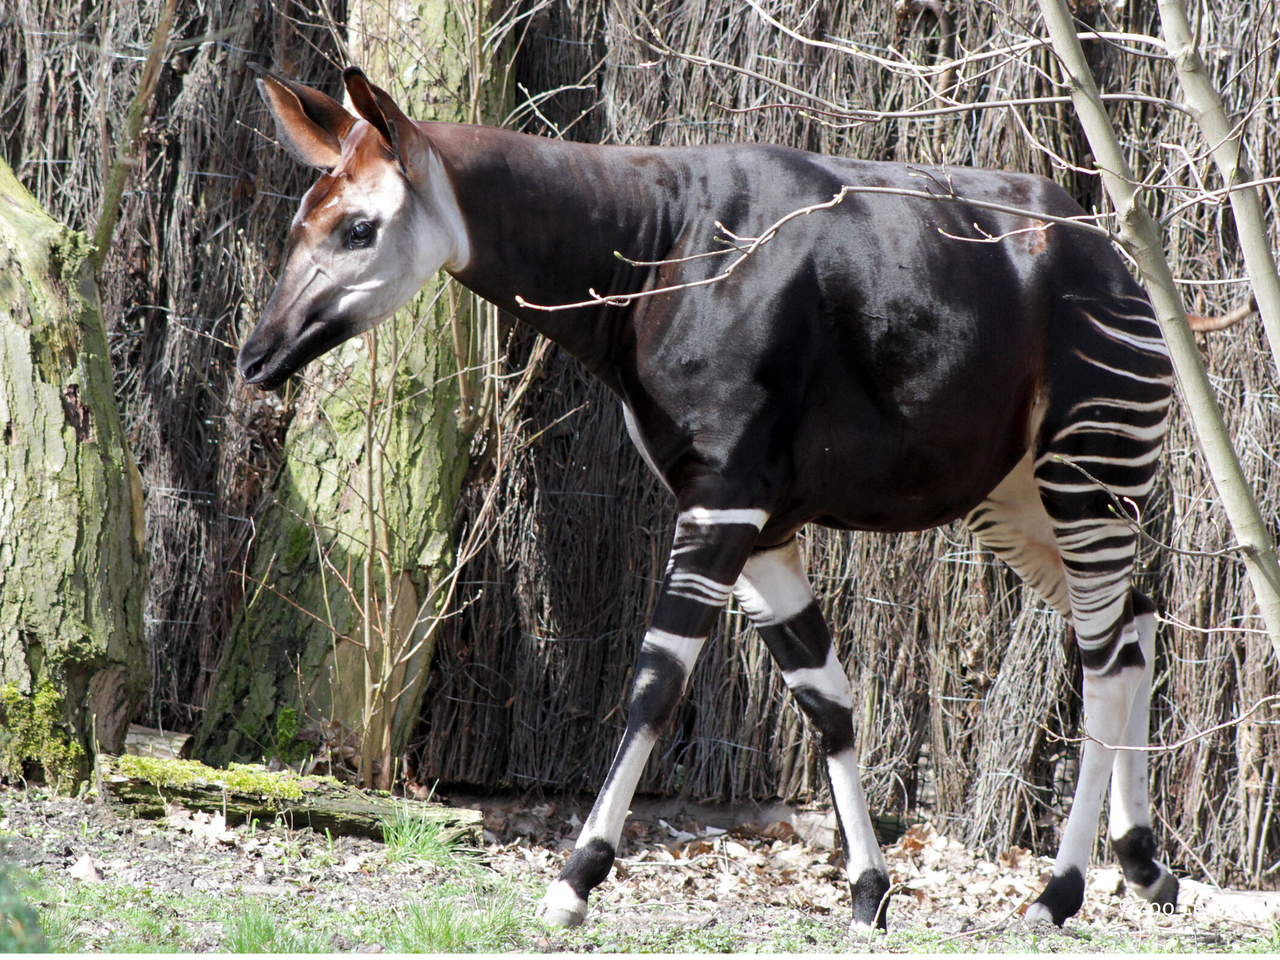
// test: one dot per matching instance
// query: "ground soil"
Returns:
(752, 871)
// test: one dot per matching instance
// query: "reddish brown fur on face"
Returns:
(318, 214)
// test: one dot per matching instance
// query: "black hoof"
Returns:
(1143, 873)
(870, 901)
(1163, 893)
(1136, 851)
(1062, 898)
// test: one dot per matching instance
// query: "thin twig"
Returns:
(992, 927)
(627, 299)
(1165, 748)
(623, 300)
(126, 160)
(1121, 507)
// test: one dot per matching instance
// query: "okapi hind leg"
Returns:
(1013, 525)
(1115, 635)
(1109, 390)
(775, 592)
(1110, 694)
(709, 550)
(1132, 839)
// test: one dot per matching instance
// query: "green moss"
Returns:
(298, 547)
(32, 730)
(19, 925)
(238, 777)
(68, 250)
(289, 748)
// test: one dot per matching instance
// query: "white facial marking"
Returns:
(448, 216)
(419, 229)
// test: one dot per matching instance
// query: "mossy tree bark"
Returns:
(72, 567)
(363, 514)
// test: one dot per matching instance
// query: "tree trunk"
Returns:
(72, 657)
(303, 655)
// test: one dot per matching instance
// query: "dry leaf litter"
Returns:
(673, 869)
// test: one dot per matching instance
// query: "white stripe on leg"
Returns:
(828, 680)
(610, 810)
(707, 516)
(1107, 704)
(851, 805)
(1130, 803)
(683, 649)
(773, 587)
(1130, 827)
(831, 711)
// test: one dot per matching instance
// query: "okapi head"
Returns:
(371, 231)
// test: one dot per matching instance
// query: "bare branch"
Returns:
(857, 116)
(1141, 237)
(1167, 747)
(126, 161)
(1224, 140)
(622, 300)
(1212, 324)
(994, 238)
(758, 242)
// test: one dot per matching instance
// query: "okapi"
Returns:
(866, 370)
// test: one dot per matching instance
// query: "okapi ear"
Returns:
(405, 138)
(309, 124)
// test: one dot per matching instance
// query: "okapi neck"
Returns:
(547, 221)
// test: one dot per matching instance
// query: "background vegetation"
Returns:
(966, 681)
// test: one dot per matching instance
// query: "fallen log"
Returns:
(136, 786)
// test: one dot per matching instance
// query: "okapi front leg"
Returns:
(709, 550)
(776, 594)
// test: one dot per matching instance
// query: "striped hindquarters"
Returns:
(1100, 447)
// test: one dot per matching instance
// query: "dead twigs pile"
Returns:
(967, 684)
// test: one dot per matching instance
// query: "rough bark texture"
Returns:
(301, 641)
(295, 644)
(71, 538)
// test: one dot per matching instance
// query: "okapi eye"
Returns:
(360, 235)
